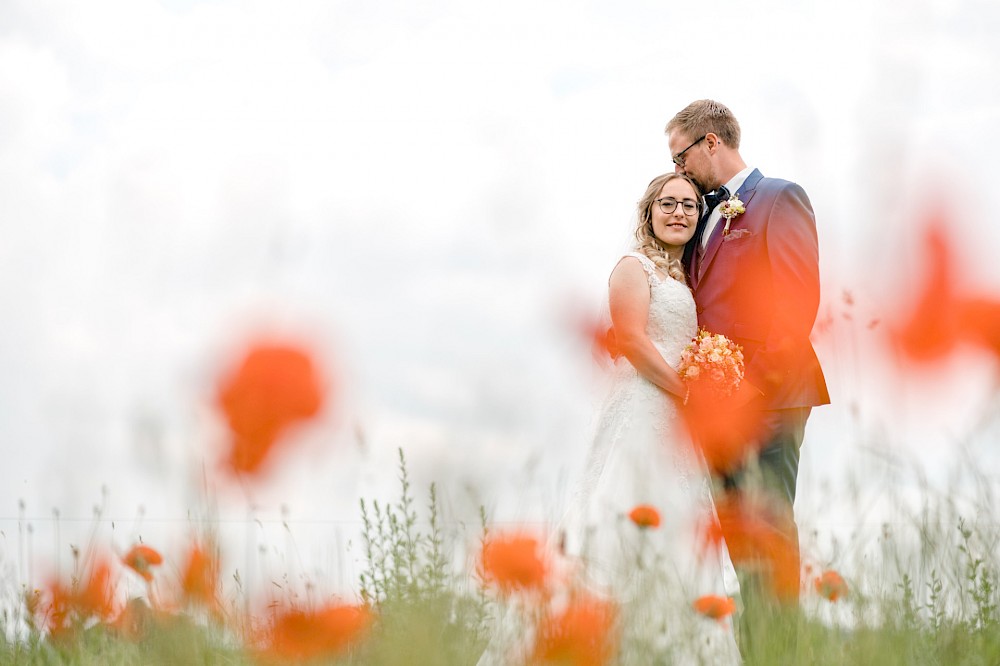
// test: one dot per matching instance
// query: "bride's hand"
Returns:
(611, 344)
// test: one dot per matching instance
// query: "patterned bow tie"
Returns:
(713, 199)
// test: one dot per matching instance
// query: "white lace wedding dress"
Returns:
(641, 455)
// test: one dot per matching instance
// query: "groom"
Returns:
(755, 278)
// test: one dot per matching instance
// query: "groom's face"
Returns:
(696, 164)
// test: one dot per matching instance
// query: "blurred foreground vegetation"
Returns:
(934, 601)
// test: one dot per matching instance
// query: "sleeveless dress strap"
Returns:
(647, 265)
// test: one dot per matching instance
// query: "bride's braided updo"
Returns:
(648, 243)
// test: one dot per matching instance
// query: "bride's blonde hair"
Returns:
(648, 243)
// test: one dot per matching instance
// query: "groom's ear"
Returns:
(713, 141)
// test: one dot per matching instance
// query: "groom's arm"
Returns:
(793, 255)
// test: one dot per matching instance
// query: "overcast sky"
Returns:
(430, 193)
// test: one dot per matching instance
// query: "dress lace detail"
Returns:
(640, 454)
(672, 323)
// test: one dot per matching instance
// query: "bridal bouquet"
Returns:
(714, 357)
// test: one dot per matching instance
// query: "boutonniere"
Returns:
(730, 209)
(713, 356)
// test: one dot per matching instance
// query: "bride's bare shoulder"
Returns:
(632, 262)
(629, 279)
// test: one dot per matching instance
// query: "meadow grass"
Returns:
(926, 592)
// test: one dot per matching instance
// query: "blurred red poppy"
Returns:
(56, 614)
(758, 539)
(980, 319)
(514, 562)
(275, 386)
(140, 558)
(598, 334)
(831, 585)
(931, 330)
(645, 516)
(725, 429)
(715, 607)
(944, 315)
(200, 577)
(324, 632)
(95, 594)
(584, 634)
(62, 609)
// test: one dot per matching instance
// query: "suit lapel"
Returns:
(692, 251)
(745, 194)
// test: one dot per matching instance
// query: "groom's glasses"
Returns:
(669, 204)
(679, 157)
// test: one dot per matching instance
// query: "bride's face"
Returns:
(676, 227)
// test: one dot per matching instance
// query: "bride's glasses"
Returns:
(668, 204)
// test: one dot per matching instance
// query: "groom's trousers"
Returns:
(775, 467)
(778, 459)
(771, 477)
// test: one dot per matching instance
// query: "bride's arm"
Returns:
(629, 302)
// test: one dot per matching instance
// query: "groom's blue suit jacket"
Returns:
(759, 285)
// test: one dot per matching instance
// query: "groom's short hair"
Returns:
(704, 116)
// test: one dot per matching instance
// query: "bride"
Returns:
(641, 455)
(652, 563)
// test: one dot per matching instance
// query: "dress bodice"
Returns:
(673, 317)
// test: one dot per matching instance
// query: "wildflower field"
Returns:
(933, 604)
(306, 324)
(921, 588)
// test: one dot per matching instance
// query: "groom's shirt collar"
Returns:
(734, 184)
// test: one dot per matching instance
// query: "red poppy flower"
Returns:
(514, 562)
(645, 516)
(831, 585)
(325, 632)
(715, 607)
(140, 558)
(200, 578)
(723, 428)
(95, 596)
(757, 539)
(582, 635)
(274, 387)
(64, 608)
(56, 613)
(980, 319)
(943, 315)
(601, 338)
(932, 328)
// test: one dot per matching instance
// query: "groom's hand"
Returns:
(611, 344)
(746, 396)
